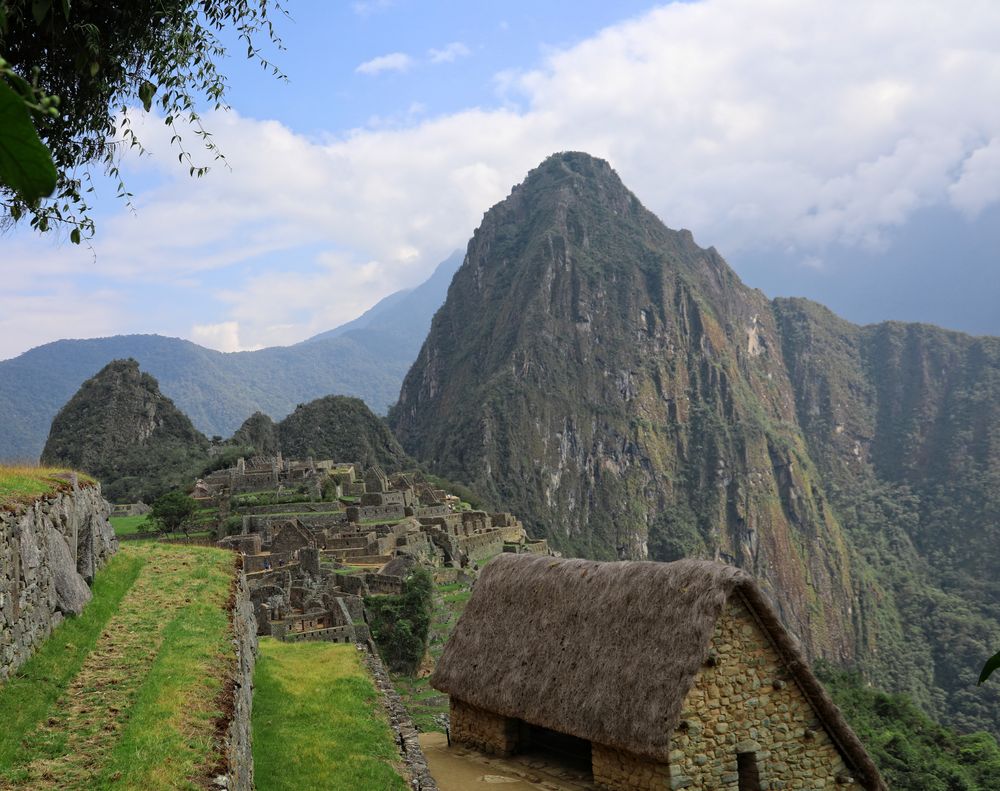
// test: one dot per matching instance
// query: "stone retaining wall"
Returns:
(402, 726)
(237, 744)
(49, 553)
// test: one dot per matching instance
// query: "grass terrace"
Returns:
(318, 722)
(129, 525)
(128, 694)
(21, 485)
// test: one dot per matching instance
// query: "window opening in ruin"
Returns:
(749, 774)
(562, 749)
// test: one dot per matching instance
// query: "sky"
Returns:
(844, 151)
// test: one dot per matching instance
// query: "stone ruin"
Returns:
(310, 562)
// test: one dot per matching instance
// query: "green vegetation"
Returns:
(340, 428)
(122, 430)
(139, 673)
(129, 525)
(425, 704)
(32, 691)
(317, 721)
(172, 511)
(23, 484)
(911, 750)
(399, 624)
(98, 58)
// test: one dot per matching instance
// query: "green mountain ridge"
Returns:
(624, 392)
(366, 358)
(122, 430)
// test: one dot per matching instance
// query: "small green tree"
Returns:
(400, 624)
(173, 511)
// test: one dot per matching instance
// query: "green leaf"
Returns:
(74, 236)
(146, 92)
(989, 667)
(40, 9)
(25, 163)
(65, 8)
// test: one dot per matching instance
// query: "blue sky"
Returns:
(836, 150)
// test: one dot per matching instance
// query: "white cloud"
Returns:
(449, 53)
(224, 336)
(773, 125)
(394, 61)
(979, 184)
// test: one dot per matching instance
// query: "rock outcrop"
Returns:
(48, 553)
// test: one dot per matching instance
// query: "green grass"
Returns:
(128, 525)
(317, 721)
(23, 484)
(131, 700)
(27, 696)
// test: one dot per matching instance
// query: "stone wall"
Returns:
(482, 546)
(48, 554)
(237, 744)
(406, 734)
(483, 730)
(748, 703)
(615, 769)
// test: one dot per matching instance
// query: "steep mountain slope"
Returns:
(366, 358)
(339, 428)
(622, 390)
(122, 430)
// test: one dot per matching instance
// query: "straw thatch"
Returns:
(608, 651)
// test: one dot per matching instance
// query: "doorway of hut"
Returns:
(568, 752)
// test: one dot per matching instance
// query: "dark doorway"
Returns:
(749, 774)
(567, 751)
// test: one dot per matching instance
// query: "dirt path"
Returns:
(74, 744)
(460, 769)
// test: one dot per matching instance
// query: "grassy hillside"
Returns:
(317, 721)
(128, 694)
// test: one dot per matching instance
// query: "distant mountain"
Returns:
(406, 313)
(366, 358)
(342, 429)
(122, 430)
(620, 389)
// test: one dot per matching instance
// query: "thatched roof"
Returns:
(608, 651)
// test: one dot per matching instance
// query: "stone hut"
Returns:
(658, 675)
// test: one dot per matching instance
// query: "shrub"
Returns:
(399, 624)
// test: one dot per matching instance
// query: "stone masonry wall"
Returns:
(748, 703)
(239, 758)
(621, 771)
(483, 730)
(48, 555)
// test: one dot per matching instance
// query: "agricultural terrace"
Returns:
(130, 693)
(318, 721)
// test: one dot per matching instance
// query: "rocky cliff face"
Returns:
(121, 429)
(623, 391)
(49, 552)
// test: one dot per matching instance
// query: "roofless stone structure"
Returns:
(668, 675)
